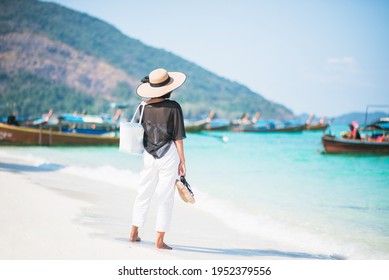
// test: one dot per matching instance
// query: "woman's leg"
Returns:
(147, 184)
(168, 173)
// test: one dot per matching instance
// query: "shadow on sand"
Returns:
(241, 252)
(255, 253)
(12, 167)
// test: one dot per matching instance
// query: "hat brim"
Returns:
(184, 193)
(147, 91)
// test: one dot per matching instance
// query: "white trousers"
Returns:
(157, 174)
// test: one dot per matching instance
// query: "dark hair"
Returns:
(167, 95)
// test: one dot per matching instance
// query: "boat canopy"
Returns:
(81, 118)
(381, 124)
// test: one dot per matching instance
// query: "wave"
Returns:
(107, 174)
(261, 226)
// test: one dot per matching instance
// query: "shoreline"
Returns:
(56, 216)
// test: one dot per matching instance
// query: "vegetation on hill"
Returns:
(361, 118)
(90, 42)
(21, 91)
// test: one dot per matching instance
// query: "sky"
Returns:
(326, 57)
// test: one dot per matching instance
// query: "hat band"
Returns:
(164, 83)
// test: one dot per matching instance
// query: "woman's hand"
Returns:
(180, 150)
(181, 169)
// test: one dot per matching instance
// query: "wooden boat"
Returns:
(269, 126)
(197, 126)
(319, 126)
(87, 124)
(77, 123)
(335, 145)
(218, 125)
(245, 120)
(375, 140)
(245, 124)
(298, 128)
(291, 128)
(15, 135)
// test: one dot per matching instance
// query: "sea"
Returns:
(275, 186)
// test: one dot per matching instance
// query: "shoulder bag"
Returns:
(131, 134)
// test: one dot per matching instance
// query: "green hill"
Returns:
(54, 57)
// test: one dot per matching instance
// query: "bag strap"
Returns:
(186, 184)
(143, 103)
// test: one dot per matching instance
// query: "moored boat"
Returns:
(218, 125)
(200, 125)
(88, 124)
(318, 126)
(336, 145)
(15, 135)
(269, 126)
(195, 126)
(374, 141)
(77, 123)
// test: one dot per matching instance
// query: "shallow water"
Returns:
(277, 186)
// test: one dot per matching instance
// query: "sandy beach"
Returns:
(47, 214)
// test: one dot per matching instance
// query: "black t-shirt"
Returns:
(163, 123)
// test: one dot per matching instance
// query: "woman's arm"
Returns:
(180, 149)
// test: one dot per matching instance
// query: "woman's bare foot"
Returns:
(163, 246)
(134, 237)
(160, 244)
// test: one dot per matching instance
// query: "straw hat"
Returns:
(184, 190)
(159, 82)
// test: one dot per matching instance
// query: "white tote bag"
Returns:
(131, 134)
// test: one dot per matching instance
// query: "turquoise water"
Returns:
(278, 187)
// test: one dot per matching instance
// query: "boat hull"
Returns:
(218, 128)
(14, 135)
(333, 145)
(195, 127)
(252, 128)
(317, 127)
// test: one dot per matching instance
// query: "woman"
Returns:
(164, 158)
(354, 133)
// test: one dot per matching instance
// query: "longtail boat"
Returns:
(218, 125)
(77, 123)
(374, 141)
(269, 126)
(15, 135)
(200, 125)
(242, 128)
(318, 126)
(336, 145)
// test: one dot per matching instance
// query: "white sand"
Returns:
(51, 215)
